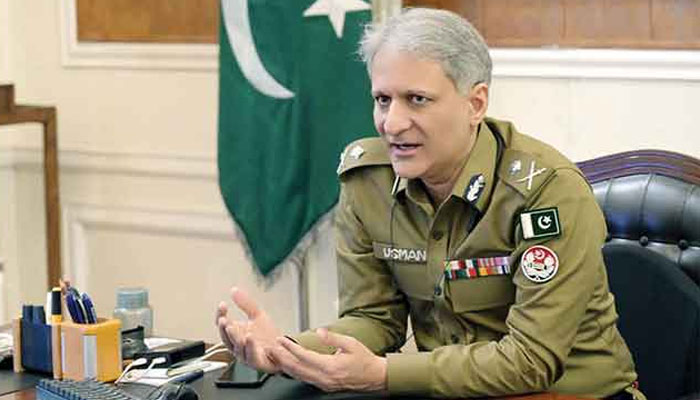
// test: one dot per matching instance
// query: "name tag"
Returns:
(403, 254)
(476, 267)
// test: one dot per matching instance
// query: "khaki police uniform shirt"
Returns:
(499, 331)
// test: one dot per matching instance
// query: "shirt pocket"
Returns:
(409, 268)
(481, 293)
(414, 280)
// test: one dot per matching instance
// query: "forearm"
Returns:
(476, 370)
(379, 335)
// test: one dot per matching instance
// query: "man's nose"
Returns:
(396, 119)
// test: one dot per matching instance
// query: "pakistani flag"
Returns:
(292, 94)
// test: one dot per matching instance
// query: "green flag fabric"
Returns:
(292, 94)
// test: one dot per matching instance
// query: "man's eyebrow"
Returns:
(419, 92)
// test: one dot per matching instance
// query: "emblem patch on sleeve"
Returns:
(539, 264)
(540, 223)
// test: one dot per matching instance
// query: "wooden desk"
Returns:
(27, 394)
(10, 113)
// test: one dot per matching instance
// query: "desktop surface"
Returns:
(275, 388)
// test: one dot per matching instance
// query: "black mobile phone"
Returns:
(240, 375)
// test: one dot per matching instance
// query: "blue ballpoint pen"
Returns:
(75, 312)
(189, 376)
(89, 309)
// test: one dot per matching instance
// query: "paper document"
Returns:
(5, 345)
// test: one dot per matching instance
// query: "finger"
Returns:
(311, 358)
(251, 351)
(288, 363)
(221, 311)
(345, 343)
(221, 324)
(250, 348)
(236, 336)
(245, 302)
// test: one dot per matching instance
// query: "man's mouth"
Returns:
(403, 149)
(404, 146)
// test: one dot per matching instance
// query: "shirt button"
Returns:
(455, 339)
(437, 291)
(437, 235)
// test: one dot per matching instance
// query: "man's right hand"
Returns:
(250, 341)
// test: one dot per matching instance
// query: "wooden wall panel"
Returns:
(581, 23)
(173, 21)
(607, 22)
(676, 21)
(523, 22)
(504, 23)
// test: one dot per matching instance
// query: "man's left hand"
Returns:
(352, 367)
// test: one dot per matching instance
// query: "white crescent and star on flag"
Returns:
(237, 24)
(544, 222)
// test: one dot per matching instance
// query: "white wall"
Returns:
(586, 118)
(5, 178)
(139, 194)
(138, 175)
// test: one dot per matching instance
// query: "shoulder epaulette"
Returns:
(524, 172)
(362, 153)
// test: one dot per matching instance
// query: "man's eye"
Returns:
(418, 99)
(382, 100)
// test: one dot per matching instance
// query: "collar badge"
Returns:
(476, 186)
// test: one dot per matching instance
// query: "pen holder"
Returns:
(91, 350)
(33, 347)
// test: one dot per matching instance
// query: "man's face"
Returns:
(421, 115)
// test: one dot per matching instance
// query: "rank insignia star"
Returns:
(515, 167)
(357, 152)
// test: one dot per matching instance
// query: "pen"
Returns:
(188, 377)
(89, 309)
(74, 310)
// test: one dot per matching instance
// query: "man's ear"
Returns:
(479, 103)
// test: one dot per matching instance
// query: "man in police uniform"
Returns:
(488, 239)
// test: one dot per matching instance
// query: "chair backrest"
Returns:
(651, 202)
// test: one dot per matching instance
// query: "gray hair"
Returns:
(437, 35)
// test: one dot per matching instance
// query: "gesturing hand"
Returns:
(250, 341)
(352, 367)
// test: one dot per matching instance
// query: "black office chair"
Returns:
(651, 201)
